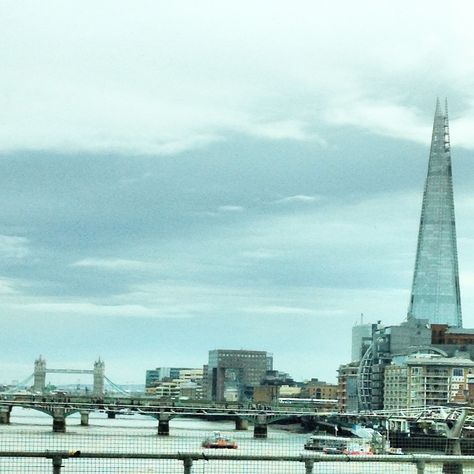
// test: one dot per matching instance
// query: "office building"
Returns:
(233, 374)
(361, 339)
(154, 376)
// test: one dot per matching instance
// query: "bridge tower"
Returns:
(99, 375)
(39, 382)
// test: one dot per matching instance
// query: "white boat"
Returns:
(340, 445)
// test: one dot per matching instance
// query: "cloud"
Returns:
(298, 198)
(387, 119)
(290, 311)
(230, 208)
(116, 264)
(283, 130)
(259, 254)
(225, 73)
(8, 286)
(13, 247)
(78, 308)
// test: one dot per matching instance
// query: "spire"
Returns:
(435, 291)
(438, 108)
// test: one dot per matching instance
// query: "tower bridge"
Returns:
(40, 371)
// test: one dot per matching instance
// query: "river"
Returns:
(30, 430)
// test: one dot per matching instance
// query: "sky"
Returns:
(177, 177)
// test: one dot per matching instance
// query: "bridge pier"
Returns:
(308, 466)
(454, 448)
(164, 424)
(260, 429)
(111, 415)
(59, 420)
(84, 418)
(241, 424)
(453, 445)
(5, 415)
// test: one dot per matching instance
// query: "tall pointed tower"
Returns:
(435, 291)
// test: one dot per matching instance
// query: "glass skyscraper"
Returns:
(435, 294)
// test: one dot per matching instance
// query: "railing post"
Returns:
(188, 464)
(57, 464)
(308, 465)
(420, 467)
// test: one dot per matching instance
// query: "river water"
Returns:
(32, 431)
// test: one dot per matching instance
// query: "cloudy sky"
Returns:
(183, 176)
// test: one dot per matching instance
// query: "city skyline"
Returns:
(177, 178)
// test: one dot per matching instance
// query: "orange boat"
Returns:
(219, 441)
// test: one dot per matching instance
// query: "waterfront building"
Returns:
(387, 341)
(426, 379)
(189, 390)
(455, 342)
(319, 390)
(161, 373)
(165, 389)
(190, 374)
(435, 293)
(347, 398)
(290, 391)
(266, 394)
(235, 373)
(187, 383)
(442, 334)
(276, 377)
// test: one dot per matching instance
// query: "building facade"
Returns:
(387, 341)
(361, 338)
(187, 385)
(154, 376)
(319, 390)
(423, 380)
(347, 396)
(232, 375)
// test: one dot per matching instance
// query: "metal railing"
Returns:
(306, 463)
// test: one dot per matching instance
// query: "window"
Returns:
(458, 372)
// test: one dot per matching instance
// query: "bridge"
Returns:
(59, 407)
(39, 378)
(448, 420)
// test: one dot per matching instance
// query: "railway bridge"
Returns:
(59, 407)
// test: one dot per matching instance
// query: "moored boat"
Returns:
(326, 444)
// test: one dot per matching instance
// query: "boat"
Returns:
(327, 444)
(219, 441)
(395, 451)
(358, 447)
(339, 445)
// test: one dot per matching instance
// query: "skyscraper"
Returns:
(435, 294)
